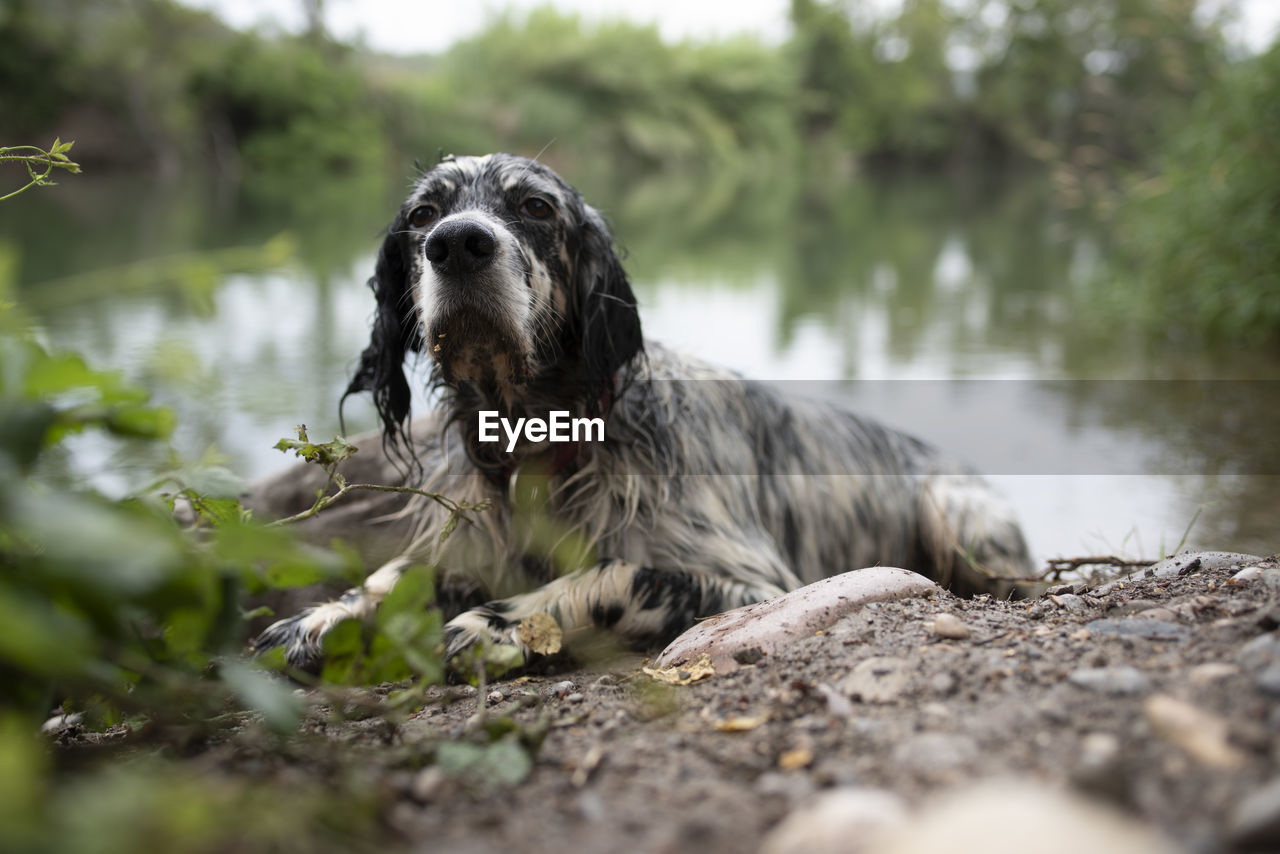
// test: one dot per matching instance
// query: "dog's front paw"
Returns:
(483, 636)
(302, 635)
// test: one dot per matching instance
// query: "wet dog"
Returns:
(706, 491)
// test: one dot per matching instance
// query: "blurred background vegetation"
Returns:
(940, 188)
(1128, 104)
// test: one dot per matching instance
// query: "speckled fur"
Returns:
(709, 492)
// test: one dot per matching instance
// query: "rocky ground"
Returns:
(1138, 715)
(1144, 710)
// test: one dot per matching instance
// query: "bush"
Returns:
(1199, 243)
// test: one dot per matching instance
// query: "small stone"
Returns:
(1071, 587)
(1115, 681)
(1254, 824)
(838, 820)
(936, 756)
(428, 784)
(943, 684)
(495, 696)
(563, 689)
(1210, 672)
(951, 627)
(1268, 681)
(1150, 629)
(1261, 652)
(1247, 575)
(876, 680)
(1201, 734)
(1017, 817)
(575, 697)
(1071, 602)
(1189, 562)
(1098, 770)
(1158, 614)
(1271, 577)
(791, 787)
(1132, 606)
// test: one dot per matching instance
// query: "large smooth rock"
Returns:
(765, 627)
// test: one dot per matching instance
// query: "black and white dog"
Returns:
(708, 491)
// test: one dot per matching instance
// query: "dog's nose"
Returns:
(461, 246)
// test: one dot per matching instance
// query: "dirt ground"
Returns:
(1085, 687)
(1156, 695)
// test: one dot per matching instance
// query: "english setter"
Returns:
(708, 491)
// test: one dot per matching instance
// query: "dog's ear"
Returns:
(395, 333)
(611, 334)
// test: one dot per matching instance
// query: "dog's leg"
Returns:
(970, 535)
(642, 605)
(302, 635)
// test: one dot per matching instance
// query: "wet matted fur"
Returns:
(708, 492)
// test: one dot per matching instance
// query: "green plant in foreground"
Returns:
(40, 163)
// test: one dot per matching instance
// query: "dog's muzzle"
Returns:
(461, 247)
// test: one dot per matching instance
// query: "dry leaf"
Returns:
(683, 674)
(792, 760)
(740, 723)
(541, 633)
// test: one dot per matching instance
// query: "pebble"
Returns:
(936, 756)
(1160, 614)
(1139, 627)
(943, 684)
(793, 616)
(1116, 681)
(793, 788)
(1247, 575)
(876, 680)
(1020, 816)
(1098, 770)
(1268, 681)
(951, 627)
(495, 696)
(1201, 734)
(1254, 824)
(427, 784)
(1189, 562)
(575, 697)
(1071, 602)
(1205, 674)
(1132, 606)
(846, 820)
(1071, 587)
(1263, 651)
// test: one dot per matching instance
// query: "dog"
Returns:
(707, 491)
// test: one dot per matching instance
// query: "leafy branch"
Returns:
(328, 455)
(40, 163)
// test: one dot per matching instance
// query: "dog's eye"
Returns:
(537, 208)
(423, 215)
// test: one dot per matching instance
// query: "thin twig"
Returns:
(324, 502)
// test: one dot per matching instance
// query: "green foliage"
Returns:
(1200, 240)
(110, 604)
(39, 163)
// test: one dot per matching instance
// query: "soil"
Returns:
(1064, 689)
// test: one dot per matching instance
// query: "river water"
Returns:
(948, 305)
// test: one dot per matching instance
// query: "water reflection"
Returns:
(875, 278)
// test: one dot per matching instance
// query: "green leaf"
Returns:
(323, 454)
(266, 694)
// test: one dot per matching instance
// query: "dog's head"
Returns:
(498, 270)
